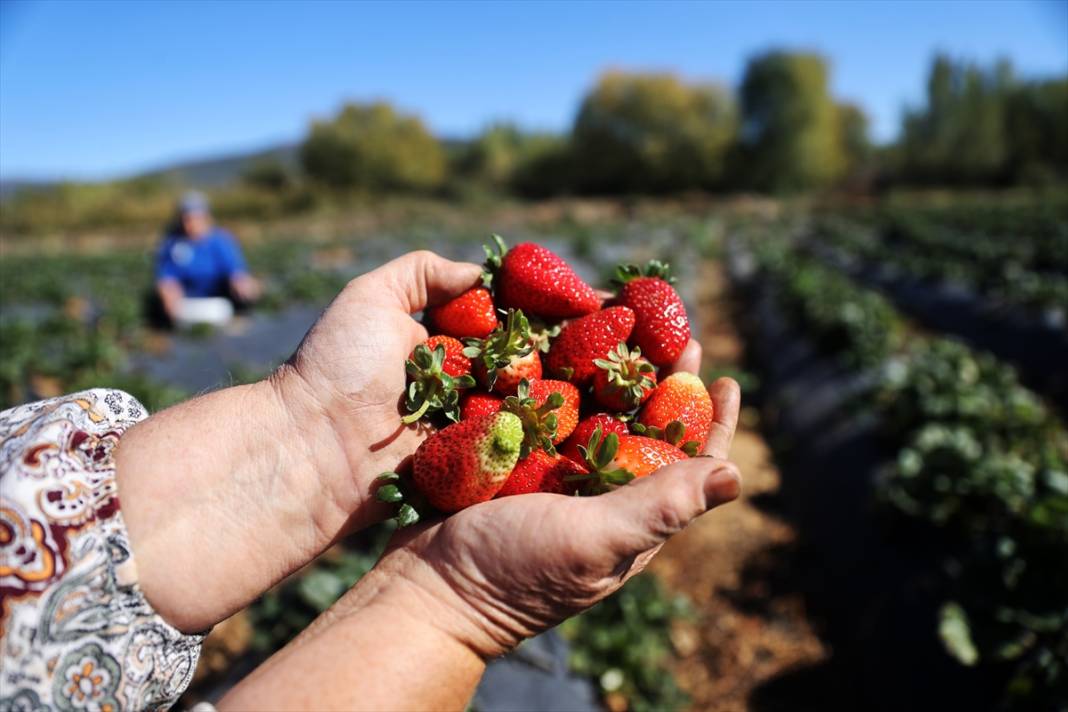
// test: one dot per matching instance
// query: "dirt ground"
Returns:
(744, 635)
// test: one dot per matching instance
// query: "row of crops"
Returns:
(1016, 257)
(949, 476)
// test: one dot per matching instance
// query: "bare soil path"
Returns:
(745, 635)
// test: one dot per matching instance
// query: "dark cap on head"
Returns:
(194, 203)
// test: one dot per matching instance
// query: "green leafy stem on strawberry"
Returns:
(392, 489)
(599, 454)
(673, 434)
(539, 421)
(432, 390)
(655, 268)
(492, 264)
(510, 339)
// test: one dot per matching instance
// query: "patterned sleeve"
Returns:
(77, 633)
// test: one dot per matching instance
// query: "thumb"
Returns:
(647, 512)
(423, 279)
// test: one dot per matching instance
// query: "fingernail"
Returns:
(723, 485)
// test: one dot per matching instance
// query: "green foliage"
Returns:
(987, 463)
(503, 157)
(979, 458)
(547, 168)
(85, 205)
(975, 249)
(985, 126)
(624, 644)
(853, 134)
(791, 134)
(372, 147)
(652, 133)
(267, 174)
(287, 609)
(843, 318)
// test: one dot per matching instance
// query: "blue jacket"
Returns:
(203, 267)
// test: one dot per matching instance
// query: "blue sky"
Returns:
(96, 90)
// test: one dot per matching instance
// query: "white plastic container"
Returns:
(217, 311)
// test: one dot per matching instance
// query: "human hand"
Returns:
(226, 494)
(245, 287)
(347, 377)
(504, 570)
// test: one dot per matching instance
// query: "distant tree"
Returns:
(372, 147)
(503, 154)
(853, 133)
(985, 126)
(545, 169)
(1037, 126)
(790, 136)
(652, 133)
(267, 174)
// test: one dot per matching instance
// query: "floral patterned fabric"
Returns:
(77, 634)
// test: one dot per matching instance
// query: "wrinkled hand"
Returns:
(349, 372)
(504, 570)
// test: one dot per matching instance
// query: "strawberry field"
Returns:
(904, 362)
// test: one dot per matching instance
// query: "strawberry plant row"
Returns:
(1025, 272)
(865, 576)
(978, 467)
(1035, 343)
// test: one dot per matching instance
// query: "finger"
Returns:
(726, 402)
(421, 279)
(689, 360)
(649, 510)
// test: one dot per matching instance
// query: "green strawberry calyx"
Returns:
(511, 339)
(430, 389)
(393, 490)
(494, 256)
(599, 454)
(628, 373)
(672, 434)
(541, 335)
(539, 421)
(655, 268)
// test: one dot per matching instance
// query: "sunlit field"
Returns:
(902, 364)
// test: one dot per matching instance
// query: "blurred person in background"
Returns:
(201, 274)
(125, 538)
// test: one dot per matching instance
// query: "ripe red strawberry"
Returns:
(624, 379)
(476, 404)
(541, 472)
(680, 397)
(437, 370)
(468, 462)
(617, 459)
(585, 340)
(470, 315)
(661, 327)
(567, 412)
(607, 422)
(506, 356)
(456, 364)
(534, 279)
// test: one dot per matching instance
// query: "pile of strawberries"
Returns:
(537, 384)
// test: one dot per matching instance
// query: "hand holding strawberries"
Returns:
(507, 569)
(503, 567)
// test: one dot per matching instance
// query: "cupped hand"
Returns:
(504, 570)
(349, 371)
